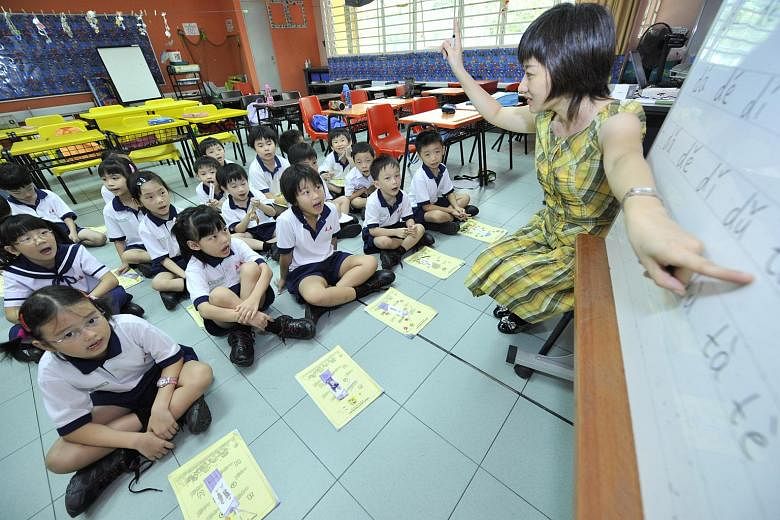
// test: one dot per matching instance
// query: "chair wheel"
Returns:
(523, 372)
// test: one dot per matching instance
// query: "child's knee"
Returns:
(158, 281)
(199, 374)
(464, 199)
(383, 242)
(419, 229)
(221, 297)
(249, 269)
(368, 262)
(55, 460)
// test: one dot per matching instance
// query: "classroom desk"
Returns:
(218, 121)
(183, 103)
(289, 109)
(132, 138)
(335, 86)
(381, 89)
(461, 120)
(18, 133)
(101, 119)
(446, 93)
(39, 154)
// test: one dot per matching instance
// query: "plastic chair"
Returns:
(159, 101)
(310, 106)
(383, 132)
(44, 120)
(153, 154)
(244, 87)
(90, 152)
(357, 96)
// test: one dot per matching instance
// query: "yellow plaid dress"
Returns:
(531, 272)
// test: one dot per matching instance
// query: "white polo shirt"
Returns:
(381, 214)
(356, 181)
(121, 223)
(205, 272)
(106, 194)
(73, 266)
(157, 237)
(261, 179)
(202, 193)
(48, 206)
(233, 213)
(427, 187)
(332, 164)
(134, 347)
(307, 245)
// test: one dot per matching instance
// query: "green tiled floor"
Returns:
(455, 436)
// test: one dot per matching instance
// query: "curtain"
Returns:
(625, 13)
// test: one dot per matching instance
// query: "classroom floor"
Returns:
(456, 434)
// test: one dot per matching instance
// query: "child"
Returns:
(289, 138)
(248, 217)
(154, 228)
(435, 202)
(390, 228)
(121, 215)
(208, 191)
(336, 164)
(359, 184)
(32, 258)
(229, 284)
(308, 266)
(211, 147)
(25, 198)
(267, 167)
(115, 160)
(113, 386)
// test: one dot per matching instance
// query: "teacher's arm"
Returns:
(668, 253)
(515, 119)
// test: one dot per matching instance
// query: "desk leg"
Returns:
(241, 151)
(406, 154)
(485, 173)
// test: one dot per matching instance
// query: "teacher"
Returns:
(588, 161)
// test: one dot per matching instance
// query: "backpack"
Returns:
(319, 123)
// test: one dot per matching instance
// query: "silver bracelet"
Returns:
(643, 191)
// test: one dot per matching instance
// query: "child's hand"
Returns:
(410, 228)
(327, 175)
(260, 320)
(151, 446)
(214, 203)
(74, 237)
(162, 423)
(460, 214)
(246, 311)
(122, 269)
(401, 232)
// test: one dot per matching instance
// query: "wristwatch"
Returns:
(641, 191)
(165, 381)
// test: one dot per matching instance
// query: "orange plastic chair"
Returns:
(358, 96)
(423, 104)
(383, 132)
(310, 106)
(244, 87)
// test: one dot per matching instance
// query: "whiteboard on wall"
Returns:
(703, 371)
(130, 73)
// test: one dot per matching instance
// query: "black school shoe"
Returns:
(88, 483)
(513, 324)
(471, 210)
(286, 326)
(198, 416)
(348, 231)
(132, 308)
(313, 313)
(389, 258)
(426, 240)
(378, 281)
(242, 346)
(446, 228)
(145, 269)
(170, 299)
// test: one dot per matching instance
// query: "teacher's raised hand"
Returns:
(451, 48)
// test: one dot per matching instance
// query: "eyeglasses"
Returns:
(29, 238)
(92, 322)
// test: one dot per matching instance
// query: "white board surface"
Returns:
(703, 372)
(130, 73)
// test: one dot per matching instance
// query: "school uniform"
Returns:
(205, 273)
(232, 213)
(48, 206)
(202, 193)
(106, 194)
(263, 180)
(137, 353)
(74, 266)
(428, 188)
(159, 241)
(312, 249)
(331, 164)
(356, 181)
(379, 213)
(122, 224)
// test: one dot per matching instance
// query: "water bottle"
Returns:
(347, 95)
(269, 98)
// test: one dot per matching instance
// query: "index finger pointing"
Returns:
(699, 264)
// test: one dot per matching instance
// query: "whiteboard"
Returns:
(703, 371)
(130, 73)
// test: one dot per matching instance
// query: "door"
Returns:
(256, 19)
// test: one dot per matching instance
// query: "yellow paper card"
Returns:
(431, 261)
(400, 312)
(129, 278)
(338, 182)
(338, 386)
(197, 318)
(481, 231)
(223, 477)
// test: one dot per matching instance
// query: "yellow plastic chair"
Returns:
(222, 137)
(92, 151)
(168, 152)
(159, 101)
(44, 120)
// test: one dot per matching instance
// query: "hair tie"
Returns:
(24, 325)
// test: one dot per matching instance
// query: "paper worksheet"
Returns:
(480, 231)
(400, 312)
(431, 261)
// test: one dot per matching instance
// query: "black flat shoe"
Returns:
(500, 311)
(471, 210)
(513, 324)
(242, 346)
(132, 308)
(170, 299)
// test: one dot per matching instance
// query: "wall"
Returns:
(217, 63)
(293, 46)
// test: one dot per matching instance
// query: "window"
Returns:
(385, 26)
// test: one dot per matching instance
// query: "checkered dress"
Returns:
(532, 271)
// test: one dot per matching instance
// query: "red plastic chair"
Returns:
(358, 96)
(310, 106)
(383, 132)
(423, 104)
(244, 87)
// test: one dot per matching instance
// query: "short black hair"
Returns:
(380, 163)
(205, 161)
(262, 132)
(362, 147)
(292, 178)
(339, 131)
(115, 166)
(427, 138)
(288, 139)
(139, 179)
(11, 228)
(194, 223)
(231, 172)
(113, 155)
(208, 143)
(14, 176)
(300, 152)
(576, 44)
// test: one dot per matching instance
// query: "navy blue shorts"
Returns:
(135, 246)
(419, 214)
(140, 399)
(63, 227)
(158, 268)
(263, 232)
(368, 241)
(328, 269)
(215, 330)
(118, 297)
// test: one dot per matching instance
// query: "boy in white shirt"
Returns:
(208, 191)
(248, 216)
(359, 184)
(211, 147)
(336, 165)
(267, 167)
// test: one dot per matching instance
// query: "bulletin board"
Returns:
(32, 67)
